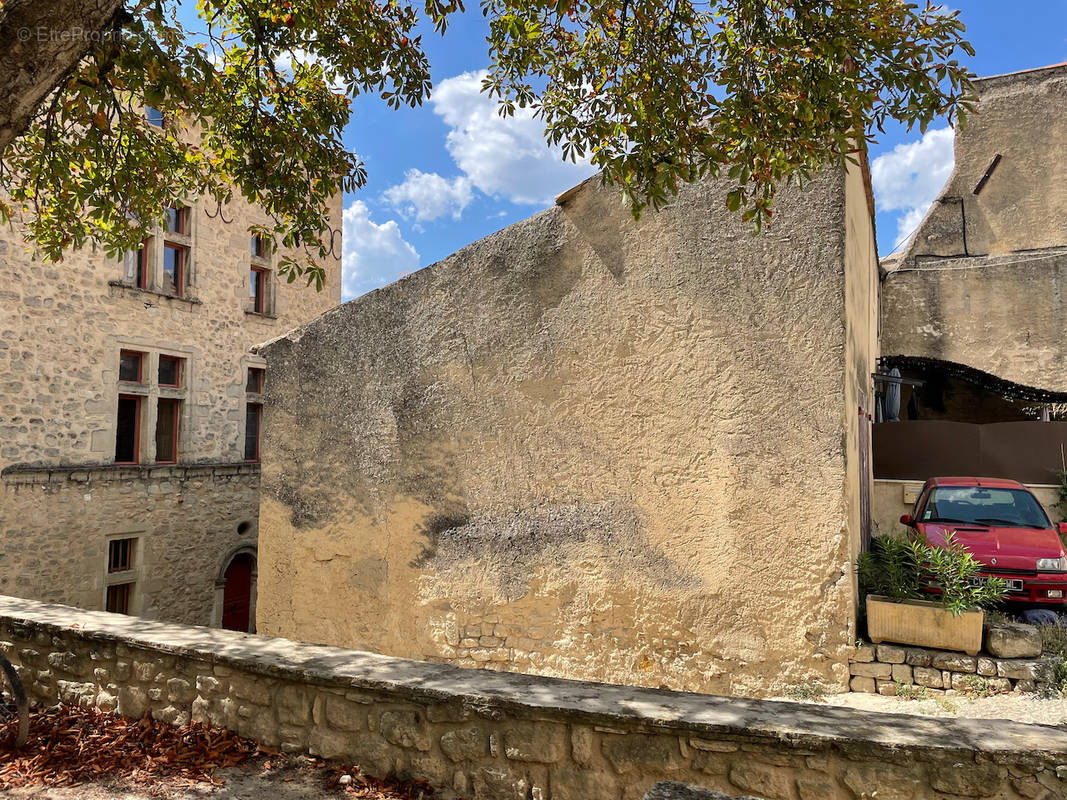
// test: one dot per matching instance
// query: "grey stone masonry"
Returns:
(506, 736)
(672, 790)
(880, 669)
(1012, 640)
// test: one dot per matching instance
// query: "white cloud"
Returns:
(503, 156)
(427, 196)
(910, 176)
(372, 254)
(285, 61)
(908, 222)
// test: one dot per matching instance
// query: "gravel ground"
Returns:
(1016, 706)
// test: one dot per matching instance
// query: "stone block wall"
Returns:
(884, 668)
(55, 525)
(500, 736)
(62, 329)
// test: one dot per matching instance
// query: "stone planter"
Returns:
(924, 624)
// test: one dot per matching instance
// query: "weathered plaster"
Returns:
(999, 306)
(585, 446)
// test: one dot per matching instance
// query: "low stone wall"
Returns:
(503, 736)
(884, 668)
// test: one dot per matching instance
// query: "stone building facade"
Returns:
(589, 447)
(975, 308)
(983, 282)
(129, 402)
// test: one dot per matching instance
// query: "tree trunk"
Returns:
(40, 41)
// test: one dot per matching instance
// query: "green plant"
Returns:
(1062, 492)
(998, 617)
(892, 567)
(953, 570)
(909, 691)
(907, 568)
(813, 692)
(946, 705)
(1053, 640)
(1054, 649)
(975, 686)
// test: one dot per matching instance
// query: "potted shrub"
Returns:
(926, 596)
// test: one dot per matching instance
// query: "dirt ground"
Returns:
(292, 780)
(1016, 706)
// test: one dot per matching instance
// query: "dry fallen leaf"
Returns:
(70, 746)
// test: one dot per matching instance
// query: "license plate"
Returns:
(1013, 584)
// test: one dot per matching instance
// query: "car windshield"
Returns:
(985, 506)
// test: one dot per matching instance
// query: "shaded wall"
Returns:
(566, 449)
(1004, 318)
(1028, 452)
(188, 523)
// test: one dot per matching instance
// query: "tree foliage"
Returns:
(655, 93)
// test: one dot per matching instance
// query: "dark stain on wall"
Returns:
(306, 507)
(516, 542)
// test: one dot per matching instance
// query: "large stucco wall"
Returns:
(584, 446)
(1000, 307)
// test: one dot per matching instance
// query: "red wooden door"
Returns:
(237, 594)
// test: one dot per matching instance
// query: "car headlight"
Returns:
(1052, 564)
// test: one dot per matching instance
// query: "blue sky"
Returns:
(447, 173)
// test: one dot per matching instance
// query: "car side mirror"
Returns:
(1062, 528)
(907, 519)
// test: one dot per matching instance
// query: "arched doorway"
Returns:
(237, 593)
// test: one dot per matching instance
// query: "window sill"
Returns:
(260, 315)
(125, 289)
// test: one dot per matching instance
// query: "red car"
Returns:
(1004, 527)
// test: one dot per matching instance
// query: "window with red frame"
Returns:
(168, 415)
(120, 554)
(174, 265)
(170, 372)
(253, 417)
(255, 381)
(130, 366)
(177, 219)
(119, 596)
(257, 300)
(128, 430)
